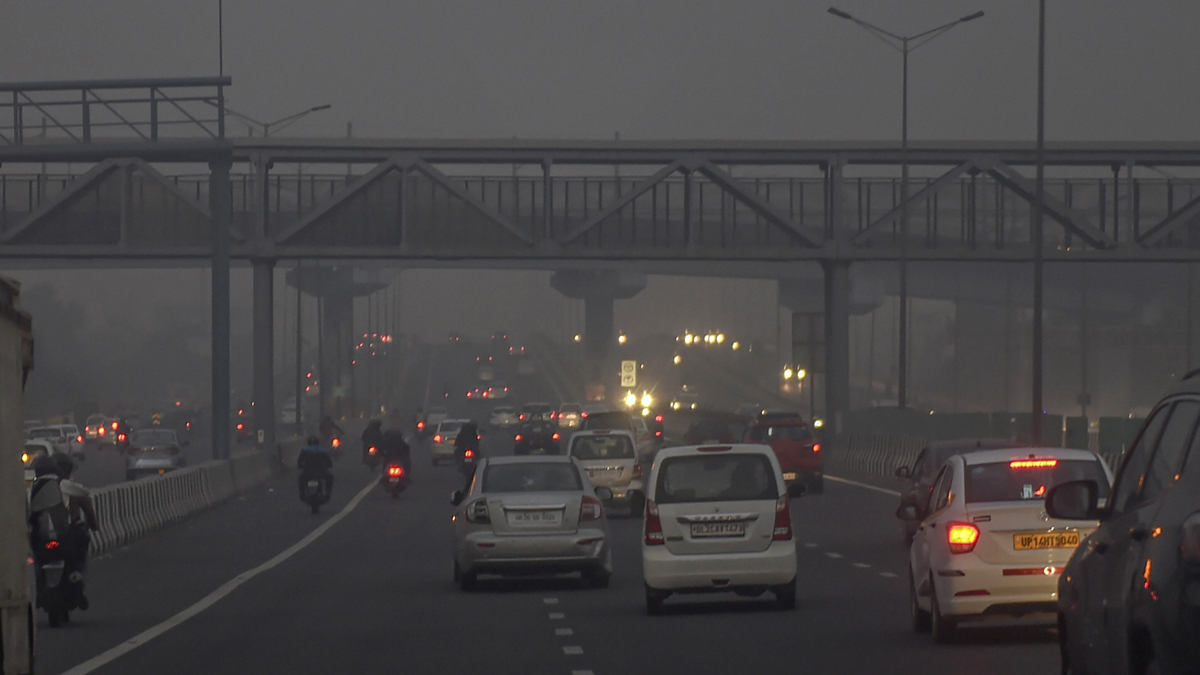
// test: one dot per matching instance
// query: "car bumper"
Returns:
(442, 451)
(155, 464)
(624, 495)
(663, 570)
(490, 553)
(1030, 596)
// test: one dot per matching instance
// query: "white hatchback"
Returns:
(717, 519)
(443, 447)
(988, 550)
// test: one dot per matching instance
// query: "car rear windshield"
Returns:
(43, 433)
(532, 477)
(715, 478)
(777, 432)
(607, 446)
(608, 420)
(1025, 480)
(710, 429)
(569, 408)
(153, 437)
(449, 427)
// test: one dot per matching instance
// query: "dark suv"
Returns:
(919, 477)
(1129, 599)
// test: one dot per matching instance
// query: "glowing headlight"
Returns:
(647, 400)
(787, 373)
(630, 399)
(818, 423)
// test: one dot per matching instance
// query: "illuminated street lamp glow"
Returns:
(801, 374)
(621, 338)
(720, 338)
(687, 338)
(736, 345)
(578, 337)
(818, 423)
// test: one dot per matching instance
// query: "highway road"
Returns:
(373, 593)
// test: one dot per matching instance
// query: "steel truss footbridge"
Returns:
(108, 172)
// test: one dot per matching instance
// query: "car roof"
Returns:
(992, 456)
(603, 432)
(530, 459)
(691, 450)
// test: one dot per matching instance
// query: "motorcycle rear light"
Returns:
(1190, 545)
(469, 453)
(52, 544)
(961, 537)
(240, 426)
(121, 437)
(652, 533)
(437, 438)
(79, 438)
(816, 447)
(555, 436)
(783, 520)
(517, 438)
(372, 450)
(395, 471)
(337, 442)
(477, 513)
(590, 509)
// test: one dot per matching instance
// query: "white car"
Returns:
(497, 390)
(35, 448)
(65, 437)
(443, 440)
(611, 460)
(568, 415)
(988, 550)
(718, 519)
(503, 416)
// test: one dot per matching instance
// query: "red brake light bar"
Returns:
(1032, 463)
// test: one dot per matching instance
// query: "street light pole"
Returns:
(903, 44)
(282, 122)
(1035, 420)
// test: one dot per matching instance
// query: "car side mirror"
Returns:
(1076, 500)
(907, 512)
(604, 494)
(456, 497)
(903, 472)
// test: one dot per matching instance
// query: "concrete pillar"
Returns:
(599, 290)
(837, 343)
(264, 352)
(16, 651)
(221, 208)
(336, 332)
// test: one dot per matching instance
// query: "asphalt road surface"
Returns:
(373, 593)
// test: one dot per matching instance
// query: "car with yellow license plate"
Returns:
(611, 460)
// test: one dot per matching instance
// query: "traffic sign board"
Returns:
(629, 374)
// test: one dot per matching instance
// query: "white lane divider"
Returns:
(555, 616)
(573, 650)
(216, 596)
(887, 575)
(865, 486)
(833, 555)
(861, 566)
(563, 631)
(550, 601)
(810, 544)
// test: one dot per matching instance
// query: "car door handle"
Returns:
(1138, 533)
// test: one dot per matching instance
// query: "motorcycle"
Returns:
(396, 479)
(313, 490)
(371, 455)
(422, 430)
(335, 447)
(59, 584)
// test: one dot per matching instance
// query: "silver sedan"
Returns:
(531, 515)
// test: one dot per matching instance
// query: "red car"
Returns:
(798, 451)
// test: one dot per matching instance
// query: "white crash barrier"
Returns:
(130, 510)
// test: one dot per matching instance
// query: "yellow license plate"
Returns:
(791, 475)
(1032, 541)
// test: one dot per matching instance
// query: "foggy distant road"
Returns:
(105, 465)
(374, 594)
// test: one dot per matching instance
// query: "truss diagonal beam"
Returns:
(1171, 223)
(92, 177)
(471, 200)
(944, 181)
(622, 201)
(810, 237)
(1069, 218)
(346, 194)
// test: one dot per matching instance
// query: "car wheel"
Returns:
(920, 618)
(944, 630)
(654, 601)
(785, 596)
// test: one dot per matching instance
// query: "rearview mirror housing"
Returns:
(604, 494)
(1076, 500)
(907, 512)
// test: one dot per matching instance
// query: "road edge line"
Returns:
(104, 658)
(867, 486)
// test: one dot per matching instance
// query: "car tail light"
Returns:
(653, 533)
(590, 509)
(658, 418)
(121, 438)
(395, 471)
(555, 436)
(658, 434)
(79, 438)
(437, 438)
(783, 520)
(336, 443)
(506, 389)
(477, 512)
(420, 425)
(583, 414)
(517, 437)
(114, 425)
(468, 453)
(961, 537)
(372, 450)
(102, 431)
(485, 394)
(52, 544)
(521, 416)
(240, 426)
(816, 447)
(1190, 546)
(469, 394)
(1033, 464)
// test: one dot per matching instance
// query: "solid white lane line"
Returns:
(550, 601)
(213, 598)
(833, 555)
(866, 486)
(563, 631)
(861, 566)
(573, 650)
(582, 672)
(810, 544)
(887, 575)
(554, 616)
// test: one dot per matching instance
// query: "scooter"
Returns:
(59, 584)
(395, 479)
(313, 490)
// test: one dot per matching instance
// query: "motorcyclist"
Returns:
(372, 437)
(82, 519)
(315, 458)
(330, 430)
(468, 437)
(396, 449)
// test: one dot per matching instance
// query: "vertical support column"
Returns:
(264, 351)
(837, 342)
(547, 200)
(221, 207)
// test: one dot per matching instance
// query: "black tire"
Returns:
(654, 601)
(921, 619)
(785, 596)
(943, 629)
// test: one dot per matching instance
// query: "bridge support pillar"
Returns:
(837, 343)
(264, 352)
(221, 206)
(599, 291)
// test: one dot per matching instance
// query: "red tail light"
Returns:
(783, 520)
(437, 438)
(240, 426)
(590, 509)
(961, 537)
(583, 414)
(469, 394)
(79, 438)
(337, 443)
(52, 544)
(395, 471)
(420, 425)
(372, 450)
(485, 394)
(658, 434)
(658, 418)
(816, 447)
(517, 437)
(102, 431)
(114, 425)
(555, 436)
(653, 533)
(121, 438)
(468, 453)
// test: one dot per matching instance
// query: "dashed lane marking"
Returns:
(833, 555)
(861, 566)
(887, 575)
(865, 486)
(582, 672)
(550, 601)
(217, 595)
(573, 650)
(554, 616)
(810, 544)
(563, 631)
